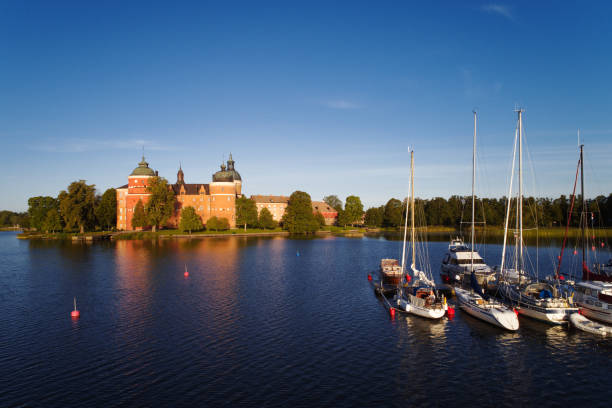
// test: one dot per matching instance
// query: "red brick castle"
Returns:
(215, 199)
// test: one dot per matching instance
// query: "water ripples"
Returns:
(256, 324)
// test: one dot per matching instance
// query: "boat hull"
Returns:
(595, 313)
(536, 309)
(500, 316)
(582, 323)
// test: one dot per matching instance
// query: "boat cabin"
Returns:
(597, 290)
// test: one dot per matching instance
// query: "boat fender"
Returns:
(392, 312)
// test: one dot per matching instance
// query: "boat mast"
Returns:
(405, 229)
(473, 196)
(412, 234)
(520, 197)
(584, 213)
(507, 219)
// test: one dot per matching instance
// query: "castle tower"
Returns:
(128, 196)
(225, 187)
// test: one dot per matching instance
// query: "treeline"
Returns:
(10, 219)
(78, 208)
(452, 212)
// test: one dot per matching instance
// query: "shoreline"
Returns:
(543, 233)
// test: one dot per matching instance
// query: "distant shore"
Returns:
(434, 231)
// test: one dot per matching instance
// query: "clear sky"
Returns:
(323, 97)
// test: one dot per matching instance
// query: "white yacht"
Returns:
(594, 299)
(460, 261)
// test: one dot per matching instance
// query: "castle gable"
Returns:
(190, 189)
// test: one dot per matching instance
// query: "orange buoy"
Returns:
(392, 312)
(75, 314)
(186, 274)
(369, 277)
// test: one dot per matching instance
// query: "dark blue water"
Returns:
(257, 325)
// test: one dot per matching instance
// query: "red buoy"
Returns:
(408, 278)
(593, 248)
(392, 312)
(450, 312)
(561, 277)
(602, 244)
(75, 314)
(186, 274)
(369, 277)
(575, 252)
(515, 311)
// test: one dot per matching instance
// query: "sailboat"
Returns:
(594, 294)
(419, 295)
(540, 300)
(475, 301)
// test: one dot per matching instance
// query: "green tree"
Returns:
(334, 202)
(161, 203)
(374, 217)
(266, 220)
(353, 210)
(38, 207)
(106, 210)
(299, 218)
(52, 221)
(77, 205)
(392, 216)
(139, 219)
(216, 224)
(320, 219)
(190, 220)
(246, 212)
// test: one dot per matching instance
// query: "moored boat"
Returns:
(539, 300)
(390, 271)
(581, 322)
(488, 310)
(419, 295)
(594, 300)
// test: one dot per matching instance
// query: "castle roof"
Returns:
(227, 173)
(270, 199)
(322, 207)
(190, 189)
(143, 169)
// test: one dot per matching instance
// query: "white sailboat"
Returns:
(419, 296)
(475, 302)
(539, 300)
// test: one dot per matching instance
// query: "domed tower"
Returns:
(225, 187)
(128, 196)
(139, 179)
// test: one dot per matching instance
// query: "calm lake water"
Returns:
(257, 325)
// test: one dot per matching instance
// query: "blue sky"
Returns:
(323, 97)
